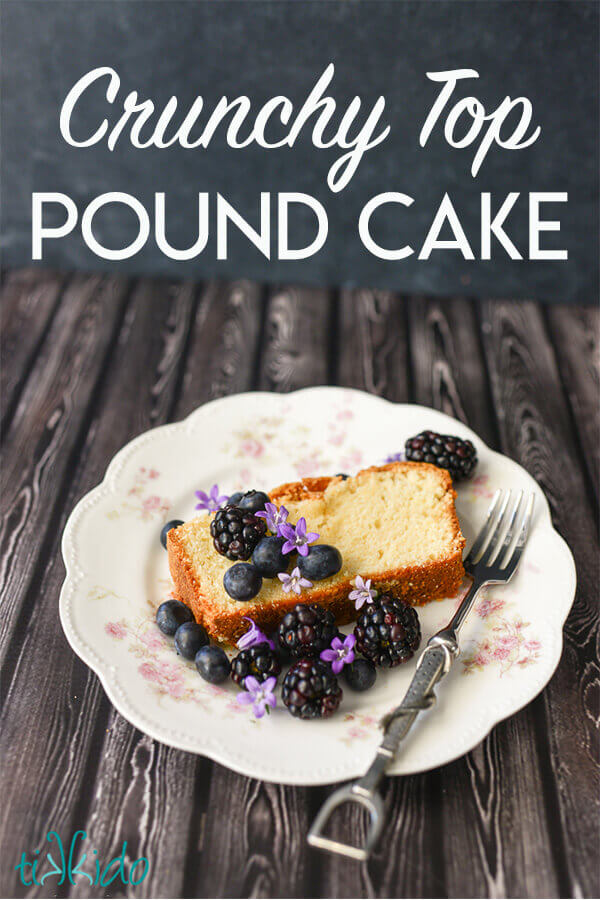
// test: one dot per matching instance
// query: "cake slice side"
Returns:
(395, 524)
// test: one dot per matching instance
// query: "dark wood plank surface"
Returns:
(88, 363)
(536, 430)
(575, 335)
(450, 374)
(28, 301)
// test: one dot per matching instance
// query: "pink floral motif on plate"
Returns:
(140, 500)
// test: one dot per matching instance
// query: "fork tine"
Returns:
(490, 551)
(486, 529)
(511, 530)
(511, 563)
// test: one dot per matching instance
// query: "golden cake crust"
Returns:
(417, 584)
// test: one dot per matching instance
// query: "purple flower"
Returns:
(253, 636)
(294, 582)
(363, 593)
(261, 696)
(297, 538)
(395, 457)
(340, 653)
(211, 502)
(275, 516)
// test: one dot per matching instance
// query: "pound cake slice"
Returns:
(395, 524)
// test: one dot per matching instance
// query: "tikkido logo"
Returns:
(69, 866)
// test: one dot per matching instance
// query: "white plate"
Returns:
(117, 575)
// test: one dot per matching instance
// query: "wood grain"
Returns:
(48, 422)
(63, 773)
(372, 346)
(575, 332)
(260, 844)
(477, 816)
(223, 344)
(448, 371)
(92, 363)
(535, 428)
(373, 354)
(294, 350)
(153, 782)
(28, 300)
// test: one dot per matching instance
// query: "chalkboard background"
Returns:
(545, 51)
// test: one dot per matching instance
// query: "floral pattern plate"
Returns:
(117, 575)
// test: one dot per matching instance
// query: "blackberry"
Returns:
(307, 630)
(451, 453)
(259, 660)
(388, 631)
(236, 532)
(310, 690)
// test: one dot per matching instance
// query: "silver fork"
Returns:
(493, 558)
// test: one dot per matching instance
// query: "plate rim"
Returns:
(108, 674)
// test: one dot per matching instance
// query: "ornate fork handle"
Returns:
(493, 559)
(434, 663)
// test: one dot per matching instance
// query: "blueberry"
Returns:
(189, 637)
(360, 674)
(268, 558)
(252, 501)
(235, 498)
(242, 581)
(321, 562)
(212, 664)
(174, 523)
(341, 475)
(171, 614)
